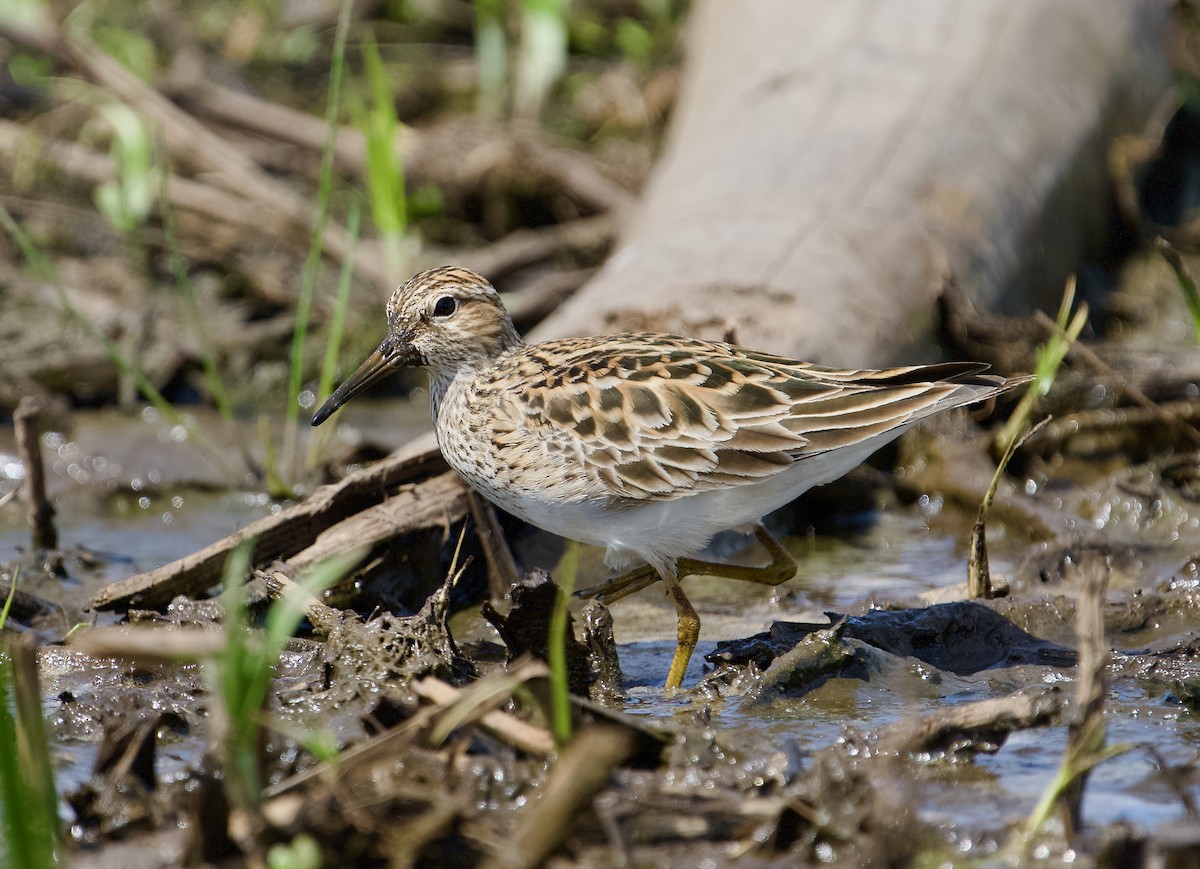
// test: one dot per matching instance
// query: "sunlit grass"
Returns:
(542, 55)
(1049, 357)
(8, 599)
(241, 673)
(556, 645)
(385, 171)
(127, 199)
(28, 804)
(491, 56)
(312, 264)
(333, 342)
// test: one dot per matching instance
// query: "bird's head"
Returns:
(444, 320)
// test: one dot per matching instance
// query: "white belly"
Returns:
(658, 530)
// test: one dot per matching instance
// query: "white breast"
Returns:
(660, 530)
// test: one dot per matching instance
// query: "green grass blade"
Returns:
(543, 55)
(1049, 358)
(17, 843)
(8, 601)
(243, 670)
(312, 264)
(1183, 277)
(333, 346)
(28, 804)
(287, 612)
(556, 646)
(385, 172)
(233, 680)
(491, 56)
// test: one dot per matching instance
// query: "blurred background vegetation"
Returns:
(205, 204)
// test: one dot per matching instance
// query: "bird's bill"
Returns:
(388, 358)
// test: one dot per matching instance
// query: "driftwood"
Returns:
(978, 726)
(29, 448)
(829, 164)
(310, 530)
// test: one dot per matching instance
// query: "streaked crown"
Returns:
(451, 317)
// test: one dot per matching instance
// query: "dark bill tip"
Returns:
(375, 368)
(324, 413)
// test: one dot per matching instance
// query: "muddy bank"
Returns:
(866, 712)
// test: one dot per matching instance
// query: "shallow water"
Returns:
(138, 505)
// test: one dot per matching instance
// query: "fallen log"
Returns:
(296, 533)
(829, 164)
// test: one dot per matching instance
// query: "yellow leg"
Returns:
(689, 631)
(781, 569)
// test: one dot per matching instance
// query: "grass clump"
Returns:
(1049, 357)
(1183, 277)
(385, 171)
(312, 264)
(556, 646)
(28, 803)
(241, 673)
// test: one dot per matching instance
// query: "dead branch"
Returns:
(1164, 413)
(985, 722)
(277, 122)
(29, 449)
(581, 773)
(1113, 430)
(508, 728)
(281, 535)
(415, 505)
(92, 167)
(502, 569)
(422, 151)
(534, 301)
(1086, 734)
(526, 246)
(194, 145)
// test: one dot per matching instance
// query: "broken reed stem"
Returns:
(1186, 428)
(41, 511)
(1086, 733)
(502, 569)
(979, 575)
(1085, 736)
(580, 774)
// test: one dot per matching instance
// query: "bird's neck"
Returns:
(452, 382)
(440, 381)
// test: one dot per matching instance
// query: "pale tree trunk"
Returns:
(830, 162)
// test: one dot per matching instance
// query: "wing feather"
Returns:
(657, 416)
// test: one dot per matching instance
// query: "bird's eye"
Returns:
(445, 306)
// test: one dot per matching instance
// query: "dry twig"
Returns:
(29, 449)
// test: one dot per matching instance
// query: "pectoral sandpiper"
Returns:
(646, 444)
